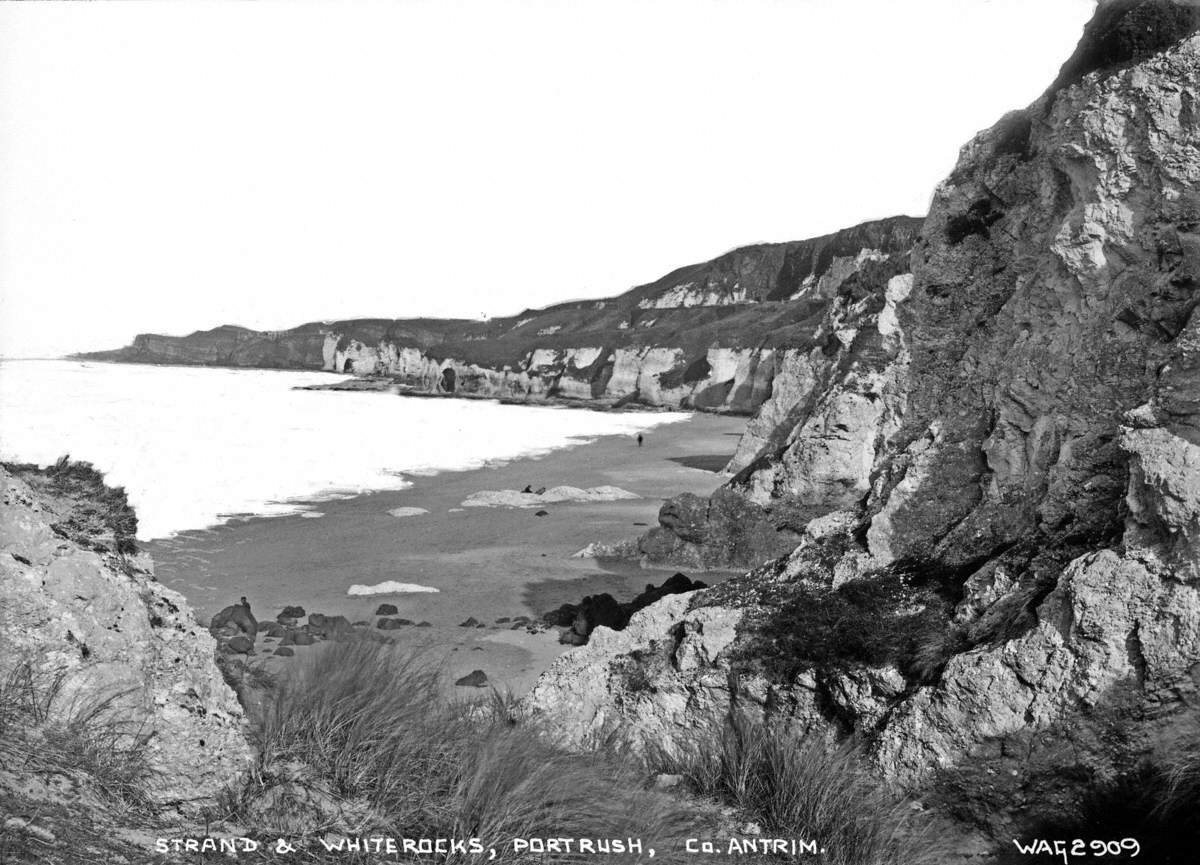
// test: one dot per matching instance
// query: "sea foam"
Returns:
(194, 446)
(391, 587)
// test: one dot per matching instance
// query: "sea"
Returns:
(196, 447)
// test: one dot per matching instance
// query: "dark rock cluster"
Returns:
(581, 619)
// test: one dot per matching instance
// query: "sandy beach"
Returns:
(485, 562)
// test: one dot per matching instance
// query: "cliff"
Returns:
(709, 336)
(993, 478)
(106, 679)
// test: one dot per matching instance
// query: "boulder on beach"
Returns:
(327, 626)
(472, 622)
(386, 610)
(474, 679)
(292, 613)
(391, 624)
(285, 652)
(542, 513)
(238, 615)
(297, 637)
(424, 624)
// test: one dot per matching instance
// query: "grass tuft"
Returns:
(41, 734)
(804, 789)
(373, 725)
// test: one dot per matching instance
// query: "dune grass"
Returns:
(403, 761)
(800, 788)
(43, 731)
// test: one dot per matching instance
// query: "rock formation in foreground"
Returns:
(994, 477)
(709, 336)
(98, 651)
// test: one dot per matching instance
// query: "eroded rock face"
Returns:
(100, 627)
(725, 530)
(1013, 433)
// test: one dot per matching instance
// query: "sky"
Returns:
(169, 167)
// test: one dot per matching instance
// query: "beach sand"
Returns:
(486, 563)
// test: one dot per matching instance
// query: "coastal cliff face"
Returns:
(999, 473)
(711, 336)
(102, 650)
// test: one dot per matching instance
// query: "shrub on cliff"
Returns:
(883, 619)
(90, 511)
(372, 725)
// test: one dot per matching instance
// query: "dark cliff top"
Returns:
(1126, 31)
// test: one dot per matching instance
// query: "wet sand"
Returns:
(488, 563)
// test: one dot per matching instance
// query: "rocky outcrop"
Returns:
(811, 447)
(724, 530)
(709, 336)
(579, 620)
(1001, 574)
(101, 643)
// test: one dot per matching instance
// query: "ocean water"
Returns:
(195, 447)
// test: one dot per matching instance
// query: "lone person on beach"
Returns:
(639, 439)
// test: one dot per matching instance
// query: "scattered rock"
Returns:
(292, 613)
(386, 610)
(470, 623)
(474, 679)
(424, 625)
(391, 624)
(327, 626)
(542, 513)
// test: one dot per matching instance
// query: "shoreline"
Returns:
(351, 383)
(486, 562)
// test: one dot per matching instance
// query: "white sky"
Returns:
(170, 167)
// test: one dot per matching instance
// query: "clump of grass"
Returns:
(883, 619)
(372, 723)
(39, 732)
(93, 510)
(800, 788)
